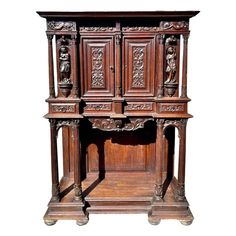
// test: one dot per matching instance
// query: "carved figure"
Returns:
(65, 65)
(171, 65)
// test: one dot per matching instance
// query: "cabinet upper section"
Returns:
(118, 62)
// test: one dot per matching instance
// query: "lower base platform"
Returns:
(117, 193)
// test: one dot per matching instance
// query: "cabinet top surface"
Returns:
(109, 14)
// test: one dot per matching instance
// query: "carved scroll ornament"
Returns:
(174, 25)
(61, 25)
(118, 124)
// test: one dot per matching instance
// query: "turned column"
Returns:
(54, 161)
(184, 68)
(74, 66)
(50, 67)
(159, 159)
(160, 91)
(182, 156)
(77, 169)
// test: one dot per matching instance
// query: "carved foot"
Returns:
(186, 222)
(50, 222)
(82, 221)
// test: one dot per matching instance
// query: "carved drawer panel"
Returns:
(92, 107)
(97, 66)
(172, 108)
(63, 108)
(139, 107)
(139, 73)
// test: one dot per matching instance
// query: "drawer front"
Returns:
(92, 107)
(63, 108)
(172, 108)
(139, 107)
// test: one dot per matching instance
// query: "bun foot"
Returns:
(83, 221)
(50, 222)
(154, 221)
(186, 222)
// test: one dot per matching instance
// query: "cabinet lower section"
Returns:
(118, 193)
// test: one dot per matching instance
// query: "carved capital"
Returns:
(185, 37)
(50, 36)
(160, 122)
(53, 122)
(161, 38)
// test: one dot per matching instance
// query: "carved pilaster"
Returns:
(160, 89)
(159, 159)
(77, 169)
(54, 161)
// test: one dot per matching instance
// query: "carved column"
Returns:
(74, 69)
(118, 65)
(182, 155)
(50, 66)
(77, 169)
(160, 91)
(54, 161)
(184, 68)
(159, 159)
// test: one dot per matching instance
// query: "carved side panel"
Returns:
(139, 72)
(97, 63)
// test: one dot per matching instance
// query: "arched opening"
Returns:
(171, 155)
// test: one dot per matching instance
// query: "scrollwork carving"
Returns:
(118, 124)
(98, 79)
(138, 67)
(174, 25)
(61, 25)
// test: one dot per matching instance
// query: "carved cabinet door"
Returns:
(97, 65)
(138, 65)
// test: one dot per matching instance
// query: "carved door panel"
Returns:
(139, 65)
(97, 66)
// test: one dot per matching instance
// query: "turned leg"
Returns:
(182, 155)
(159, 160)
(83, 218)
(54, 161)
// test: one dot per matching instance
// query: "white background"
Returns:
(24, 146)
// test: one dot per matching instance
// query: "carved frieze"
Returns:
(174, 25)
(98, 107)
(139, 107)
(118, 124)
(98, 79)
(138, 67)
(171, 108)
(96, 29)
(61, 26)
(139, 28)
(65, 108)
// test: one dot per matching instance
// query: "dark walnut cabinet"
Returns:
(118, 96)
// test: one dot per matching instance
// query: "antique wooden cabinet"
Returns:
(118, 93)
